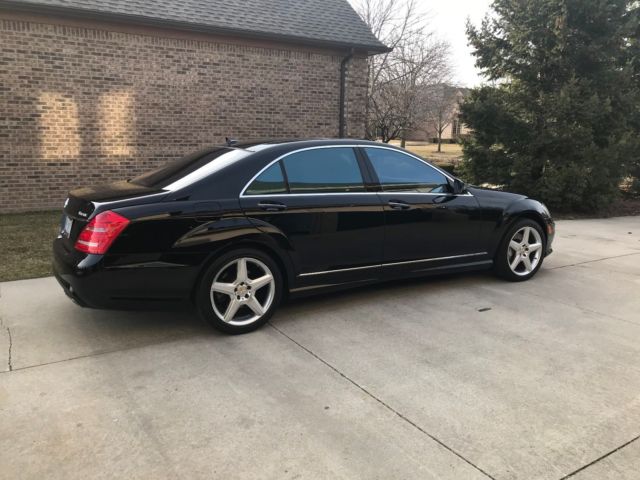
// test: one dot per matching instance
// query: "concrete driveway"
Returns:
(461, 377)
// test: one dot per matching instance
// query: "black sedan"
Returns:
(234, 229)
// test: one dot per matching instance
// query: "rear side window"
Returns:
(269, 182)
(400, 172)
(324, 170)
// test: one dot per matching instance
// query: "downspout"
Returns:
(343, 89)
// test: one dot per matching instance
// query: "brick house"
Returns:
(94, 91)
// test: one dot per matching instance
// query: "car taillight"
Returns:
(100, 232)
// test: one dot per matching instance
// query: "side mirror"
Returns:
(457, 186)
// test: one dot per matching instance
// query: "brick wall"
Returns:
(84, 105)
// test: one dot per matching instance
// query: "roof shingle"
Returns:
(321, 22)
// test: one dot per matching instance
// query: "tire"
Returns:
(233, 300)
(527, 260)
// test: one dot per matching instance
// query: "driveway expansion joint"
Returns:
(10, 347)
(88, 355)
(383, 403)
(584, 467)
(594, 260)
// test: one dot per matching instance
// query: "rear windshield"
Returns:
(177, 169)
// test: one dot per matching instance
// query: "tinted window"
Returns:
(399, 172)
(268, 182)
(323, 170)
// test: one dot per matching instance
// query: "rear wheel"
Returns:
(240, 291)
(521, 252)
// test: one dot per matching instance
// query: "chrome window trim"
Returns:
(242, 194)
(392, 264)
(267, 195)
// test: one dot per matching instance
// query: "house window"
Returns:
(456, 128)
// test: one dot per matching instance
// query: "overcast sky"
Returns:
(447, 18)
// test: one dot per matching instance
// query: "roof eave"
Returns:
(76, 13)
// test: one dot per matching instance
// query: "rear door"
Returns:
(318, 198)
(425, 222)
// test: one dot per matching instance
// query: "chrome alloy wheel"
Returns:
(242, 291)
(525, 251)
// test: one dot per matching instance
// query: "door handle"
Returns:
(396, 205)
(272, 206)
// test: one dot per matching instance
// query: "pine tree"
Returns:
(557, 120)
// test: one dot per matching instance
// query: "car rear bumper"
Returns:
(86, 281)
(69, 290)
(80, 282)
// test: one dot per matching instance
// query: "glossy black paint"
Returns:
(323, 232)
(320, 241)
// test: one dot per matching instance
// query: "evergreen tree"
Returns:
(557, 121)
(633, 56)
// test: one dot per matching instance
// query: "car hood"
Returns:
(495, 196)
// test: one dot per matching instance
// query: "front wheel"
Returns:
(521, 252)
(240, 291)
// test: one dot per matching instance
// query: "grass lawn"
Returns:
(25, 244)
(450, 155)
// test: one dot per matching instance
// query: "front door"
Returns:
(425, 222)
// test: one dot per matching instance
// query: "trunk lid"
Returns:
(83, 202)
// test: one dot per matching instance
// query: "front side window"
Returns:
(324, 170)
(269, 182)
(400, 172)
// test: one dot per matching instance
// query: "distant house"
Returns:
(442, 104)
(95, 90)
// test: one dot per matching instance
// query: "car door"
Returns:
(424, 221)
(318, 199)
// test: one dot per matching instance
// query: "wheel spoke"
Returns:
(232, 309)
(513, 245)
(515, 262)
(260, 282)
(254, 305)
(226, 288)
(526, 234)
(527, 263)
(534, 247)
(241, 275)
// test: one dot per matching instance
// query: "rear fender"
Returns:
(225, 234)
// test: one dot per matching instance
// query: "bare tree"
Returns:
(398, 78)
(440, 103)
